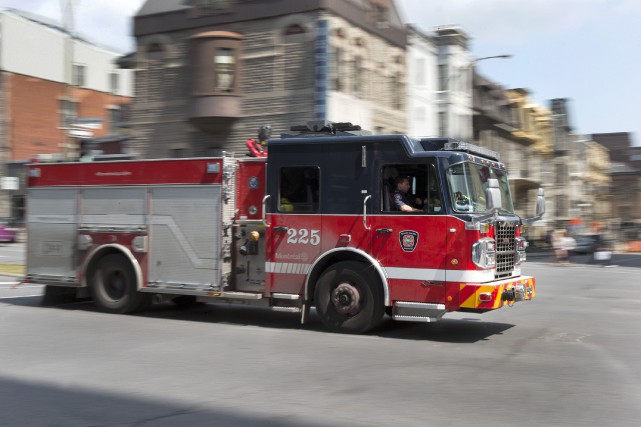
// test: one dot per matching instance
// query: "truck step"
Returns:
(417, 311)
(414, 318)
(285, 296)
(286, 309)
(240, 295)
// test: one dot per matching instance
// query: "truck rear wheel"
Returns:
(348, 298)
(114, 286)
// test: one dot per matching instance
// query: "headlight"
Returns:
(521, 244)
(484, 253)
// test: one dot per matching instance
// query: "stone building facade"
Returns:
(594, 178)
(563, 161)
(209, 74)
(507, 122)
(531, 150)
(626, 175)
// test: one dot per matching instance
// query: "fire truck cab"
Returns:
(316, 223)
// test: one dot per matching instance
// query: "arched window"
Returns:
(155, 51)
(225, 69)
(294, 33)
(215, 63)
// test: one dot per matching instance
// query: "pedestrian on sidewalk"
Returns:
(563, 244)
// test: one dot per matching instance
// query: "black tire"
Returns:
(349, 298)
(113, 287)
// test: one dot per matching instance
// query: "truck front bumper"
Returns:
(482, 297)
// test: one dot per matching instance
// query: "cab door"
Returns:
(412, 246)
(294, 227)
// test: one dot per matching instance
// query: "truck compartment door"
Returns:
(185, 236)
(52, 230)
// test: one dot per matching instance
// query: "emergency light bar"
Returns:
(471, 148)
(316, 128)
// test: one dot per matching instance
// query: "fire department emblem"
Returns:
(408, 240)
(253, 183)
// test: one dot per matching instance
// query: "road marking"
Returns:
(17, 285)
(21, 296)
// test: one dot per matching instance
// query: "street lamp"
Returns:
(504, 56)
(451, 102)
(67, 8)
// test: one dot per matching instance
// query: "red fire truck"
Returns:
(313, 224)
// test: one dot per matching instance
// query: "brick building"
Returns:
(209, 74)
(50, 81)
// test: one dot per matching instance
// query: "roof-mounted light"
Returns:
(471, 148)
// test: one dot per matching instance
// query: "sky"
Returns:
(583, 50)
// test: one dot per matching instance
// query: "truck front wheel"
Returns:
(114, 286)
(348, 298)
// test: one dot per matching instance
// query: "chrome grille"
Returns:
(505, 248)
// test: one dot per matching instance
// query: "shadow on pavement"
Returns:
(35, 404)
(467, 330)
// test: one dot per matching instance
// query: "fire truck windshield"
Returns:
(467, 182)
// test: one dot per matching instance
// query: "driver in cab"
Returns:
(400, 197)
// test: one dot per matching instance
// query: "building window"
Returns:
(335, 68)
(398, 91)
(215, 63)
(114, 82)
(380, 15)
(211, 7)
(78, 75)
(177, 153)
(420, 72)
(294, 34)
(155, 51)
(357, 79)
(442, 77)
(442, 124)
(225, 69)
(68, 110)
(118, 118)
(299, 189)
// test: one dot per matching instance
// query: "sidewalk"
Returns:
(12, 270)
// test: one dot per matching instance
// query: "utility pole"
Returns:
(69, 110)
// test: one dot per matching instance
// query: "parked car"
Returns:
(7, 234)
(586, 243)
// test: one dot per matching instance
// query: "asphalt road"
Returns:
(12, 253)
(570, 358)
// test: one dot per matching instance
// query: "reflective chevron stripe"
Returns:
(287, 267)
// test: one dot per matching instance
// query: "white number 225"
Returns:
(303, 236)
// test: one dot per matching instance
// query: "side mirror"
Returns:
(540, 203)
(540, 208)
(493, 196)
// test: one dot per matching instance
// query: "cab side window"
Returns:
(424, 191)
(299, 189)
